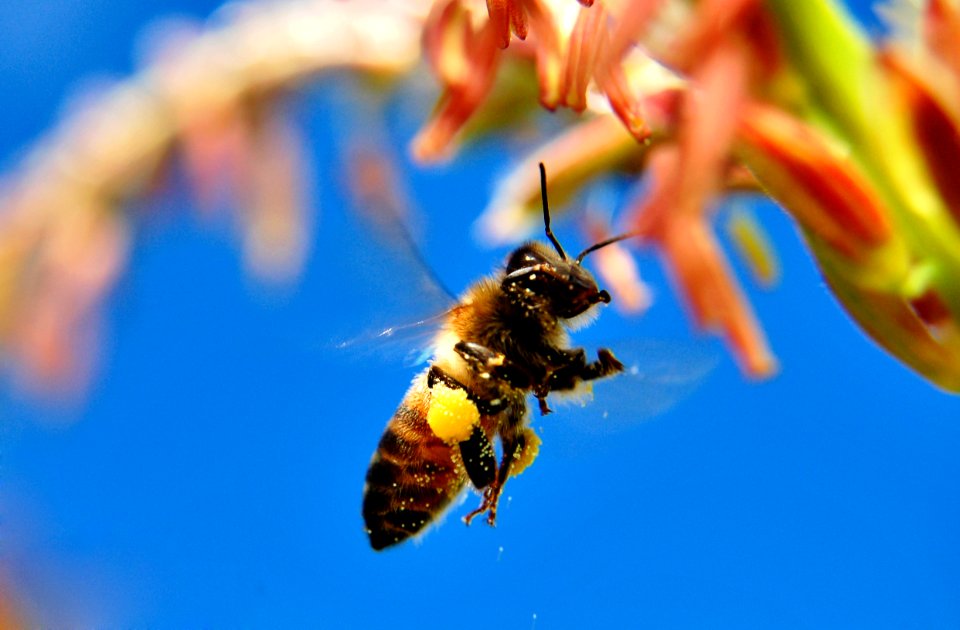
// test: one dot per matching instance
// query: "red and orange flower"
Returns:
(856, 141)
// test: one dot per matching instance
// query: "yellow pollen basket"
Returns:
(452, 415)
(524, 458)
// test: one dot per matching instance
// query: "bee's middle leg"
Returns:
(492, 364)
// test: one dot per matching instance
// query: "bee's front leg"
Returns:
(571, 368)
(541, 391)
(576, 369)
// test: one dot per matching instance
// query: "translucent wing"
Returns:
(394, 300)
(659, 375)
(410, 342)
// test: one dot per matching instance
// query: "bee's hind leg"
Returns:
(514, 441)
(491, 496)
(489, 503)
(479, 459)
(491, 493)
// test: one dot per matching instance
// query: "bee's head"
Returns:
(538, 277)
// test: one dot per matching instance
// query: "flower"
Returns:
(788, 90)
(692, 100)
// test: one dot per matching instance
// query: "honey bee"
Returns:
(504, 340)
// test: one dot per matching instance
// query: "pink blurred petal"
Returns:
(275, 211)
(710, 116)
(618, 270)
(480, 56)
(713, 23)
(697, 265)
(942, 33)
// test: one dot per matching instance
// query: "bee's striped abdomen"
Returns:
(411, 479)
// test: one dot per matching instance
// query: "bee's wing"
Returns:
(410, 342)
(394, 301)
(659, 375)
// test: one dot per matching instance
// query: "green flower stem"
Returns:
(839, 64)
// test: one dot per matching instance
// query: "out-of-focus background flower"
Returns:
(188, 448)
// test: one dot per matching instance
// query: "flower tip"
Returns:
(753, 246)
(639, 129)
(430, 146)
(550, 102)
(762, 366)
(619, 271)
(504, 224)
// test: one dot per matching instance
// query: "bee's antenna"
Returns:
(602, 244)
(546, 212)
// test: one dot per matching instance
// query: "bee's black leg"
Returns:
(479, 459)
(485, 407)
(491, 364)
(513, 440)
(577, 369)
(541, 392)
(491, 494)
(605, 365)
(476, 452)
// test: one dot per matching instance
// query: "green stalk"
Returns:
(839, 64)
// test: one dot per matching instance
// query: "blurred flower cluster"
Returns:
(693, 100)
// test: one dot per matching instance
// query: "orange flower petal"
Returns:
(629, 28)
(459, 101)
(518, 19)
(582, 52)
(609, 73)
(548, 55)
(499, 12)
(446, 39)
(624, 103)
(824, 191)
(274, 211)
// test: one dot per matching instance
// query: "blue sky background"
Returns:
(213, 478)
